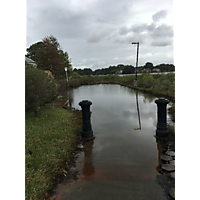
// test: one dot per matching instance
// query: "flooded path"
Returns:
(123, 160)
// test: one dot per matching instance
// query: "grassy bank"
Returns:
(157, 84)
(50, 142)
(160, 85)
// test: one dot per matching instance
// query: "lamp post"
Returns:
(67, 76)
(136, 62)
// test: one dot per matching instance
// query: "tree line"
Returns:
(125, 69)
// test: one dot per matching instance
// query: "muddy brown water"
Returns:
(123, 162)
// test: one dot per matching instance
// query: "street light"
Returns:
(137, 57)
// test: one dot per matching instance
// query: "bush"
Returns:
(39, 88)
(146, 81)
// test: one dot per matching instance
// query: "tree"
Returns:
(87, 71)
(32, 51)
(50, 57)
(148, 65)
(66, 62)
(128, 69)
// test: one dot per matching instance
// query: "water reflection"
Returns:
(161, 150)
(88, 168)
(138, 111)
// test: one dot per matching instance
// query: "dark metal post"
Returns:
(137, 59)
(162, 130)
(87, 132)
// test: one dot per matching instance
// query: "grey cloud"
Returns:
(141, 32)
(163, 31)
(162, 43)
(159, 15)
(143, 27)
(123, 30)
(98, 33)
(139, 28)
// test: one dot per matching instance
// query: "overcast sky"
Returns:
(98, 33)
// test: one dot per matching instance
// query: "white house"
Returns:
(30, 61)
(155, 70)
(119, 72)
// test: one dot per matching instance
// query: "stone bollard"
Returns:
(87, 132)
(162, 130)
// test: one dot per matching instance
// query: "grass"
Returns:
(50, 142)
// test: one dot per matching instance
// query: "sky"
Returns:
(98, 33)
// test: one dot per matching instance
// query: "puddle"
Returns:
(124, 159)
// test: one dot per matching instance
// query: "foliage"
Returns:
(126, 69)
(39, 88)
(158, 84)
(32, 51)
(66, 62)
(49, 56)
(148, 65)
(146, 81)
(166, 67)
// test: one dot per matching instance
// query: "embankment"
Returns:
(160, 85)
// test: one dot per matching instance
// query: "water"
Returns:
(123, 160)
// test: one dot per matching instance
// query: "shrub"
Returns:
(39, 88)
(146, 81)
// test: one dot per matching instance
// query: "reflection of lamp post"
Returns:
(138, 112)
(88, 168)
(135, 82)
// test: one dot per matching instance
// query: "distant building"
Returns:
(30, 61)
(156, 70)
(119, 72)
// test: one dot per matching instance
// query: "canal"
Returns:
(123, 162)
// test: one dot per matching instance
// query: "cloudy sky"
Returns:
(98, 33)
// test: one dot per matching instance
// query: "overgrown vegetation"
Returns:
(51, 139)
(157, 84)
(39, 88)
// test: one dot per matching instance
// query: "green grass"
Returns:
(52, 139)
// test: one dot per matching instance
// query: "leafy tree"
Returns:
(32, 51)
(148, 65)
(66, 62)
(50, 57)
(166, 67)
(128, 70)
(87, 71)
